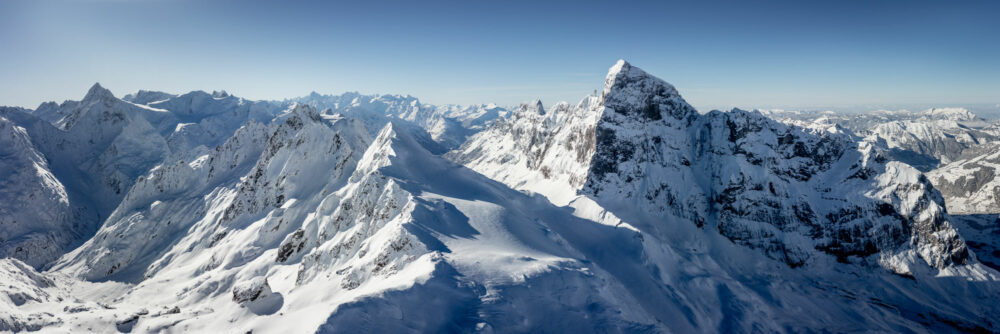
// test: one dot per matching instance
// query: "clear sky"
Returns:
(794, 54)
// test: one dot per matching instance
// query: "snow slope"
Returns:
(36, 218)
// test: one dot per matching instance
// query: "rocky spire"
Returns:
(630, 91)
(97, 92)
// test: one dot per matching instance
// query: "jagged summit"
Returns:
(631, 91)
(533, 106)
(620, 67)
(302, 108)
(97, 92)
(300, 115)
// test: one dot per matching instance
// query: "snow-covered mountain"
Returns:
(95, 149)
(953, 145)
(929, 144)
(925, 140)
(36, 218)
(627, 212)
(970, 185)
(791, 192)
(448, 125)
(862, 122)
(147, 97)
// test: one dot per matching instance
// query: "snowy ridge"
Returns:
(36, 219)
(147, 97)
(627, 212)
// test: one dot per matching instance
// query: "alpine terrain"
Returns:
(628, 211)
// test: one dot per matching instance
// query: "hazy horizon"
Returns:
(777, 54)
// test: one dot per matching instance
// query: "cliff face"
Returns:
(640, 150)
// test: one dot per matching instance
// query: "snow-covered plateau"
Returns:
(628, 211)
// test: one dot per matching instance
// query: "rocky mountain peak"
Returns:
(303, 113)
(630, 91)
(533, 107)
(98, 92)
(220, 94)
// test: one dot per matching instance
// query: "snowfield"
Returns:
(629, 211)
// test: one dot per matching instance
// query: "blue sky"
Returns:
(750, 54)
